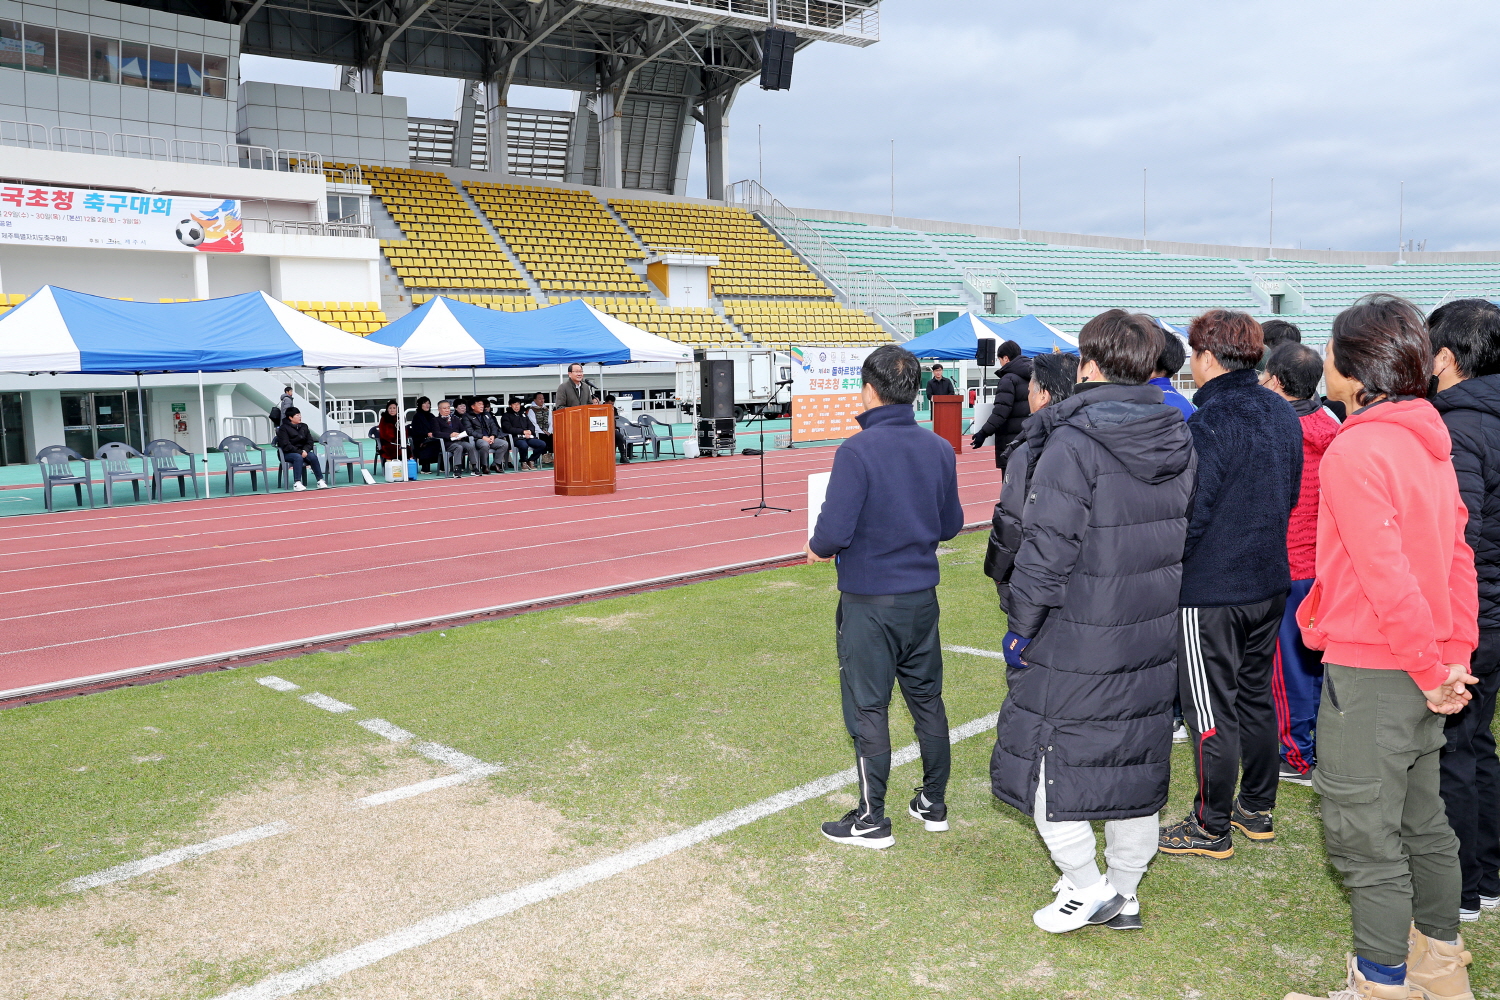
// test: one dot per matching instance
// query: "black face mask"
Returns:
(1432, 387)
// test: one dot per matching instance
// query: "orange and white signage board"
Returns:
(825, 392)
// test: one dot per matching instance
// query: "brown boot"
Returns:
(1360, 988)
(1436, 970)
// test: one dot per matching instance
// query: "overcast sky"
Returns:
(1338, 101)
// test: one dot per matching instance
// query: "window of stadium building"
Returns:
(58, 52)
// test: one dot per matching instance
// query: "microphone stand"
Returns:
(763, 507)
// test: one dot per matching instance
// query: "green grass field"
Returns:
(616, 722)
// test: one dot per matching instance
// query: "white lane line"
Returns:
(326, 703)
(432, 784)
(444, 924)
(389, 730)
(975, 652)
(120, 873)
(447, 755)
(277, 684)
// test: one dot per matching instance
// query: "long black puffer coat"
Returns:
(1471, 410)
(1010, 410)
(1094, 587)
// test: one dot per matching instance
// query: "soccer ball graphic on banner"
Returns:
(190, 232)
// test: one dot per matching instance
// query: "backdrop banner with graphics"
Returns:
(825, 392)
(77, 217)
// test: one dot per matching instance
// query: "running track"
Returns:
(93, 592)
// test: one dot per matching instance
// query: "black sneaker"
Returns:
(861, 833)
(1296, 777)
(1187, 837)
(933, 814)
(1255, 825)
(1129, 917)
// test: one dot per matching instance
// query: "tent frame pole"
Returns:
(208, 491)
(323, 398)
(400, 413)
(140, 408)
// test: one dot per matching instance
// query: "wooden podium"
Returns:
(583, 450)
(948, 420)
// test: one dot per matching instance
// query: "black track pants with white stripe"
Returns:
(1224, 662)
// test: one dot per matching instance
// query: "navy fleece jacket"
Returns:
(892, 497)
(1249, 444)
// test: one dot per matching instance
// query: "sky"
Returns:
(1340, 102)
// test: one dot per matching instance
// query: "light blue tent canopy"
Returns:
(445, 333)
(958, 339)
(57, 330)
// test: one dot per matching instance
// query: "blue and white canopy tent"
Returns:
(958, 339)
(60, 331)
(445, 333)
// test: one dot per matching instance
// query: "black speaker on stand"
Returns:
(985, 356)
(716, 407)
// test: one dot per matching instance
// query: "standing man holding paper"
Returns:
(892, 496)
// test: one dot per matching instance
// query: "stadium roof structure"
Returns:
(689, 55)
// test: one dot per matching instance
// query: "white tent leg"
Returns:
(323, 399)
(400, 410)
(208, 491)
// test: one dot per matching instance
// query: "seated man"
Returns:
(540, 415)
(455, 437)
(294, 441)
(620, 445)
(515, 423)
(484, 432)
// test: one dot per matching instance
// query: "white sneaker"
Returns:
(297, 487)
(1467, 916)
(1181, 734)
(1129, 917)
(322, 485)
(1074, 908)
(1489, 902)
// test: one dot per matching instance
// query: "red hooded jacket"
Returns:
(1395, 585)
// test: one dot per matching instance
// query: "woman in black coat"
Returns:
(1010, 406)
(424, 441)
(1086, 729)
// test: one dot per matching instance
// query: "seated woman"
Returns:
(515, 423)
(389, 431)
(294, 441)
(424, 441)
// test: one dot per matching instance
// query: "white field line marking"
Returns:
(389, 730)
(444, 924)
(407, 791)
(326, 703)
(122, 872)
(975, 652)
(277, 684)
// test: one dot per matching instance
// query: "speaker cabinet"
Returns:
(716, 390)
(986, 353)
(778, 47)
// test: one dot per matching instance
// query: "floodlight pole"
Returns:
(1271, 231)
(1020, 232)
(1401, 225)
(1143, 207)
(893, 183)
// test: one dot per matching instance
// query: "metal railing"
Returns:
(151, 147)
(292, 227)
(853, 22)
(864, 288)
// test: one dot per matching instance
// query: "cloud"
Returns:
(1339, 101)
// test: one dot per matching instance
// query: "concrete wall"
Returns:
(109, 107)
(1373, 257)
(345, 127)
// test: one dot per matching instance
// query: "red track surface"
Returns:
(92, 592)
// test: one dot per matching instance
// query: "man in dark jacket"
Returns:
(518, 434)
(1466, 344)
(1053, 377)
(294, 441)
(940, 384)
(1010, 408)
(484, 432)
(1086, 729)
(454, 436)
(1235, 578)
(892, 496)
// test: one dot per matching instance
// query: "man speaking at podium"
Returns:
(574, 391)
(892, 496)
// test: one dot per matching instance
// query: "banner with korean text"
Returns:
(825, 392)
(75, 217)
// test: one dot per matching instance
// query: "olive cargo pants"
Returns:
(1383, 817)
